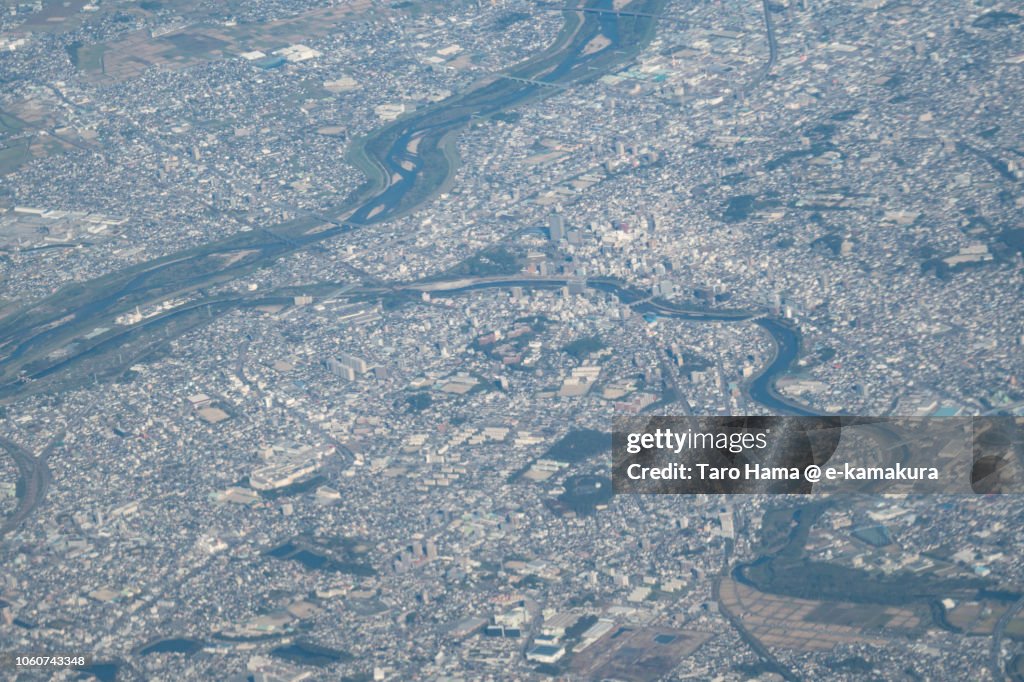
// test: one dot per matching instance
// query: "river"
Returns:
(402, 176)
(785, 337)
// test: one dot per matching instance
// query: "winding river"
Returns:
(762, 389)
(70, 338)
(407, 163)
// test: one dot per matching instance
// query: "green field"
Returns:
(12, 157)
(1015, 628)
(10, 125)
(88, 58)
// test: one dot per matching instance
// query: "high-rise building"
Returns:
(340, 369)
(556, 228)
(356, 363)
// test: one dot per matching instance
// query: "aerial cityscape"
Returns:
(317, 318)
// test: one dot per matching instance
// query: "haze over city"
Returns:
(317, 318)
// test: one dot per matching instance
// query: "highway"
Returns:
(996, 648)
(773, 50)
(29, 336)
(33, 480)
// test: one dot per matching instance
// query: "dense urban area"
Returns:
(316, 317)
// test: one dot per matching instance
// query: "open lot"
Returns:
(638, 654)
(807, 625)
(178, 47)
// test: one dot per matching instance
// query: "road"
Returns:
(29, 337)
(773, 50)
(762, 389)
(33, 480)
(996, 651)
(755, 644)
